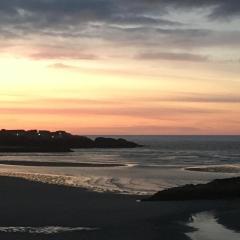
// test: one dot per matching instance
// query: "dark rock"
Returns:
(102, 142)
(218, 189)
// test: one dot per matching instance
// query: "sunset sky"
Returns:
(121, 67)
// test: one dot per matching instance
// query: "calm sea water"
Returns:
(160, 164)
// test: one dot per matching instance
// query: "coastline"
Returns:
(34, 205)
(74, 196)
(107, 177)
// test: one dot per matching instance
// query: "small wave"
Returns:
(45, 230)
(216, 168)
(131, 164)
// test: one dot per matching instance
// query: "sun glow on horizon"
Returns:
(155, 70)
(41, 94)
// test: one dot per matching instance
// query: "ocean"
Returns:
(163, 162)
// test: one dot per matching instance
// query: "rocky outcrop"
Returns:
(218, 189)
(59, 141)
(101, 142)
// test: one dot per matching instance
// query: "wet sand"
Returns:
(106, 216)
(56, 164)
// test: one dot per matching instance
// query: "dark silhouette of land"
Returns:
(59, 141)
(228, 188)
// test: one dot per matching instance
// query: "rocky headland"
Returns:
(58, 141)
(228, 188)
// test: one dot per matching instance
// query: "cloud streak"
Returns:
(134, 112)
(173, 56)
(138, 24)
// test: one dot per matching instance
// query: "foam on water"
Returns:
(49, 230)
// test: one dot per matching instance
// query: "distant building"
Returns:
(34, 133)
(44, 133)
(60, 134)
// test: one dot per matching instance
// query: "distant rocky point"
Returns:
(58, 141)
(228, 188)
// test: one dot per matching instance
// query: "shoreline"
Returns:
(65, 181)
(48, 179)
(87, 180)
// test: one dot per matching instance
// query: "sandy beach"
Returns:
(31, 210)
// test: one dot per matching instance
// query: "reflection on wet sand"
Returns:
(218, 224)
